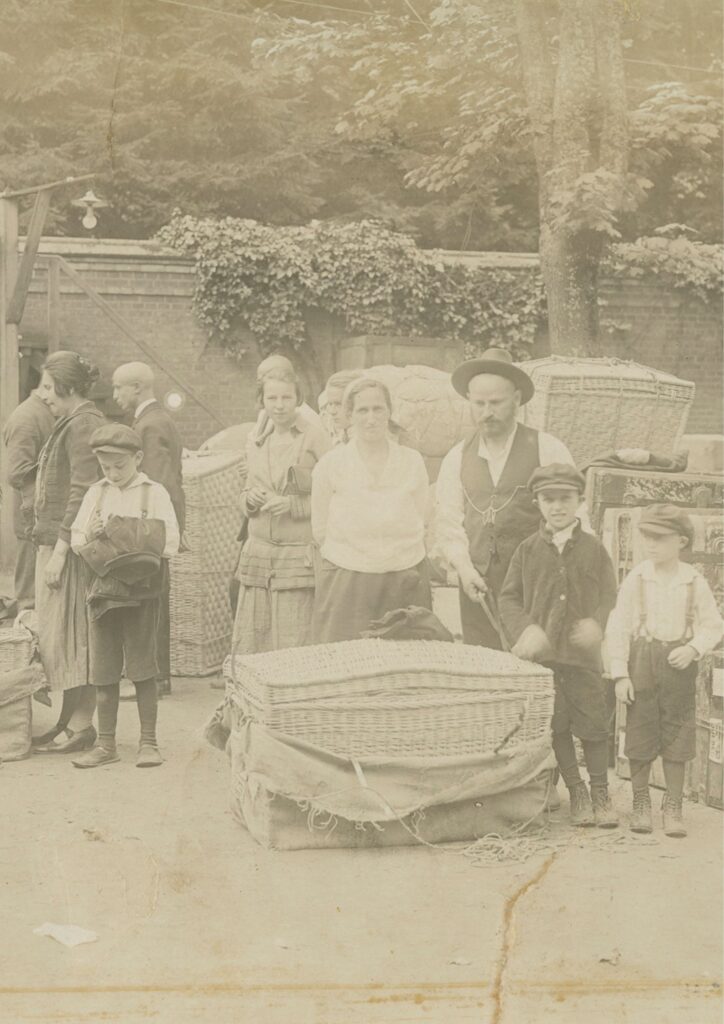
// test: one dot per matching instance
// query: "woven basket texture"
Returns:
(198, 659)
(601, 405)
(201, 620)
(15, 648)
(378, 697)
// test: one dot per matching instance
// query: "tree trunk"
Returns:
(569, 266)
(577, 111)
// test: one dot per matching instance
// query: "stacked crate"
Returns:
(201, 620)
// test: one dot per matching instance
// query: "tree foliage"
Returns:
(417, 120)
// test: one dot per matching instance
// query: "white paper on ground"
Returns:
(67, 934)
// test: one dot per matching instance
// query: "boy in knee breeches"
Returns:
(124, 512)
(665, 619)
(557, 595)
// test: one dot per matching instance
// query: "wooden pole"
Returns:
(34, 189)
(53, 305)
(9, 366)
(19, 293)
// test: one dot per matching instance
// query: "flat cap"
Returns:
(558, 475)
(663, 519)
(115, 437)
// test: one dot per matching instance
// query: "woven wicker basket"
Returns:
(16, 646)
(190, 658)
(597, 406)
(376, 697)
(201, 620)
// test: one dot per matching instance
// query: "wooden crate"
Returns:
(635, 487)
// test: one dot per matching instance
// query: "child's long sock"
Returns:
(566, 757)
(674, 775)
(596, 754)
(147, 701)
(107, 698)
(640, 771)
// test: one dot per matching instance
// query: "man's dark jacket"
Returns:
(27, 429)
(162, 450)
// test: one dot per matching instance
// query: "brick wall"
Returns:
(153, 291)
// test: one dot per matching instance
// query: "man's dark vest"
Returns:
(498, 517)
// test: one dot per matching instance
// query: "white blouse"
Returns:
(365, 524)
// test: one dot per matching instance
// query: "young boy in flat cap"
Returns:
(665, 619)
(556, 598)
(124, 632)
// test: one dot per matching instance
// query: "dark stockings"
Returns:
(595, 754)
(147, 701)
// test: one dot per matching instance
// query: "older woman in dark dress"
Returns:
(66, 469)
(369, 498)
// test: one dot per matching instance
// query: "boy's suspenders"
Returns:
(643, 629)
(145, 497)
(145, 500)
(689, 625)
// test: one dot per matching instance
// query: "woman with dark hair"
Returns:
(369, 498)
(275, 571)
(66, 469)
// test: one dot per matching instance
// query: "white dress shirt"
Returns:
(143, 405)
(116, 501)
(451, 540)
(365, 524)
(665, 598)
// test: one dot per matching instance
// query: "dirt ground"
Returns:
(196, 923)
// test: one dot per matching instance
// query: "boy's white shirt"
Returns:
(126, 501)
(561, 537)
(666, 598)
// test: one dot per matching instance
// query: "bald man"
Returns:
(133, 390)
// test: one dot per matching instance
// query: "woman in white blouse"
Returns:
(368, 518)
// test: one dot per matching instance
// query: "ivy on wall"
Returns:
(378, 282)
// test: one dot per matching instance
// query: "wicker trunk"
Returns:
(597, 406)
(201, 620)
(389, 698)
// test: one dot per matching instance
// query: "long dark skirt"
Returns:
(345, 602)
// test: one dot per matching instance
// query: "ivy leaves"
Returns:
(377, 281)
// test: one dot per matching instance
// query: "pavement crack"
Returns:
(509, 935)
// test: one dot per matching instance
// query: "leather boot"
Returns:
(581, 807)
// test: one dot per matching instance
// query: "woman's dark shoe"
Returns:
(48, 737)
(76, 741)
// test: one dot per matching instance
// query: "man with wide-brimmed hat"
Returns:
(484, 508)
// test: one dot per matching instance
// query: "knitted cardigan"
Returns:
(555, 591)
(66, 469)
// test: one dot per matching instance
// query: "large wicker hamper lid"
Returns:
(592, 369)
(299, 667)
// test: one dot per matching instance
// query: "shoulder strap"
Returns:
(643, 611)
(145, 498)
(690, 597)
